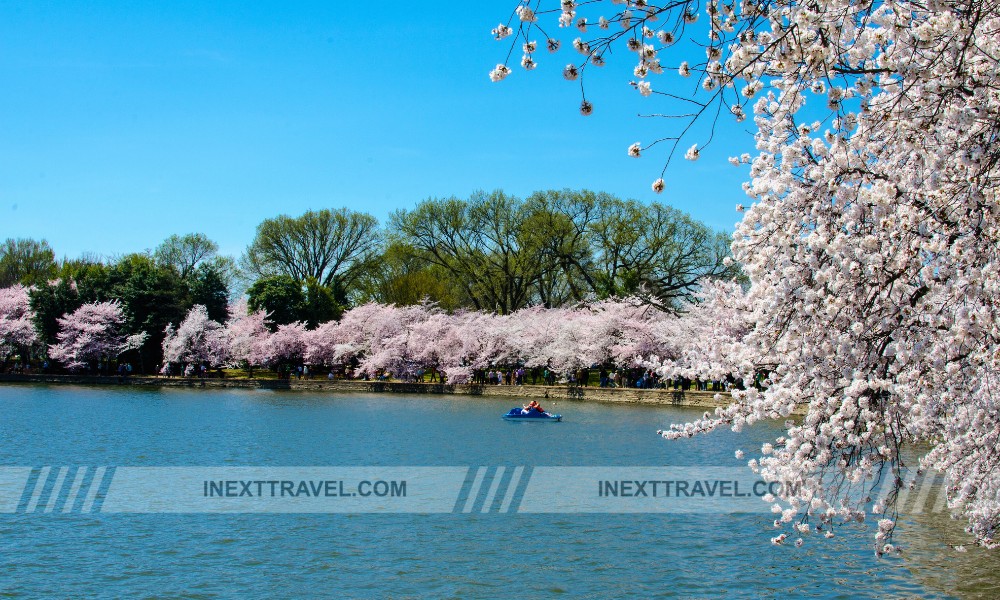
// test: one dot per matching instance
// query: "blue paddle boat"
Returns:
(515, 414)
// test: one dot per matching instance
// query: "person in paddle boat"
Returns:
(533, 405)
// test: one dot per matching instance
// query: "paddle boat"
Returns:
(517, 414)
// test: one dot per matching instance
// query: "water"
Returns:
(408, 555)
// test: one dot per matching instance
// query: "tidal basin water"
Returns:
(460, 555)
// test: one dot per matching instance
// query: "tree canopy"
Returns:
(559, 247)
(26, 261)
(279, 296)
(333, 247)
(185, 252)
(150, 294)
(493, 251)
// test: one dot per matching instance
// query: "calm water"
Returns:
(450, 555)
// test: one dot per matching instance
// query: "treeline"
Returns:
(498, 252)
(154, 288)
(492, 252)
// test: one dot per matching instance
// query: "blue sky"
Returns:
(123, 123)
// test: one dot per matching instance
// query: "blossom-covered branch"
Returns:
(872, 241)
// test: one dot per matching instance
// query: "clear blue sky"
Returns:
(123, 122)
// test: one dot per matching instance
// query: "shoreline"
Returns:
(659, 397)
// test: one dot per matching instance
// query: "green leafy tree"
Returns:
(558, 224)
(209, 277)
(402, 278)
(209, 287)
(480, 243)
(153, 296)
(26, 261)
(280, 296)
(655, 250)
(320, 304)
(559, 247)
(334, 247)
(185, 252)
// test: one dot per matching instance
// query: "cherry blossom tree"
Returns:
(622, 331)
(872, 240)
(436, 342)
(707, 341)
(382, 338)
(340, 342)
(17, 332)
(487, 340)
(402, 340)
(287, 344)
(248, 334)
(91, 334)
(610, 332)
(197, 340)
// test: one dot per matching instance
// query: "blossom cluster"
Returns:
(16, 328)
(402, 340)
(93, 333)
(872, 239)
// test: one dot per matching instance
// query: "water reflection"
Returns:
(930, 537)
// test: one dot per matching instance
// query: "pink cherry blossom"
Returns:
(247, 335)
(198, 340)
(287, 344)
(93, 333)
(871, 246)
(16, 328)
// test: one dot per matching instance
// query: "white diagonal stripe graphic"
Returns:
(13, 486)
(39, 486)
(904, 491)
(925, 490)
(95, 485)
(56, 488)
(511, 489)
(74, 489)
(493, 489)
(886, 489)
(474, 491)
(942, 498)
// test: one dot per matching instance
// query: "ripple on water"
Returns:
(458, 556)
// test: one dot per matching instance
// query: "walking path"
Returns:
(562, 392)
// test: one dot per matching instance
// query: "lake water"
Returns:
(409, 555)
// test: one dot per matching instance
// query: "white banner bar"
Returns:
(459, 489)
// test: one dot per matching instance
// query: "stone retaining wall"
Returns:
(560, 392)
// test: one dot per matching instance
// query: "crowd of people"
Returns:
(606, 377)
